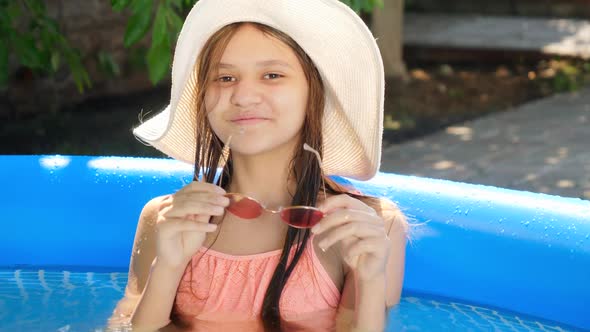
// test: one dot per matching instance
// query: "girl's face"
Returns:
(259, 94)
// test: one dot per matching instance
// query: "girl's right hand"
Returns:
(183, 221)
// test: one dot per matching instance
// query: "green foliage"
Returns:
(363, 5)
(28, 35)
(107, 64)
(566, 79)
(168, 22)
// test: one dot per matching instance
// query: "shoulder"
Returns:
(152, 208)
(142, 256)
(389, 211)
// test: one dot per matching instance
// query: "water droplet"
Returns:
(526, 224)
(140, 181)
(138, 251)
(502, 231)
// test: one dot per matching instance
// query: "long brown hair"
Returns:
(303, 166)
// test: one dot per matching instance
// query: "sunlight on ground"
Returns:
(464, 133)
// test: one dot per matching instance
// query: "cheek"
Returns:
(211, 99)
(212, 103)
(291, 105)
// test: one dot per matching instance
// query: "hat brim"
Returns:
(341, 47)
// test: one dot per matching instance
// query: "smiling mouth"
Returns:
(246, 121)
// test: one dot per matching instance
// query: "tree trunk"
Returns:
(387, 26)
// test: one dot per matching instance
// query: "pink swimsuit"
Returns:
(227, 292)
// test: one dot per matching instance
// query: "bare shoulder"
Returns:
(397, 228)
(142, 256)
(395, 220)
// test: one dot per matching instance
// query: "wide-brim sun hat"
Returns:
(340, 45)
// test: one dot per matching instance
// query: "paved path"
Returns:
(542, 146)
(552, 36)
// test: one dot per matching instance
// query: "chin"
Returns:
(261, 145)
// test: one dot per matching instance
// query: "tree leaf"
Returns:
(55, 60)
(37, 7)
(177, 4)
(158, 59)
(175, 22)
(139, 22)
(79, 73)
(160, 30)
(108, 64)
(28, 53)
(119, 5)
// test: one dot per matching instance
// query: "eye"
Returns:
(273, 76)
(226, 79)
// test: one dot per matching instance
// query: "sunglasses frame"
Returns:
(279, 211)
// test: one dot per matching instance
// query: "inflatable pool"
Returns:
(480, 259)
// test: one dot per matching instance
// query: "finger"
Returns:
(366, 246)
(198, 208)
(350, 230)
(343, 201)
(178, 225)
(340, 217)
(206, 197)
(201, 187)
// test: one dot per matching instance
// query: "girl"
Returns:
(279, 94)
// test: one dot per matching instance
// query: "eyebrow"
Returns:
(260, 64)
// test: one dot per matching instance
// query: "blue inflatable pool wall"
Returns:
(521, 251)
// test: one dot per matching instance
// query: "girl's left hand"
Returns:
(364, 242)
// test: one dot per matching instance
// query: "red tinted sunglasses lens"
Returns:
(243, 207)
(301, 218)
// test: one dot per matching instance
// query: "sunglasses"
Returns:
(298, 216)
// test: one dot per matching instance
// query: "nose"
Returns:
(245, 94)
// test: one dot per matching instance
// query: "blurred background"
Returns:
(480, 91)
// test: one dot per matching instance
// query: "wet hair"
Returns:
(303, 168)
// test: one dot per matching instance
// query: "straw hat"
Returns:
(340, 45)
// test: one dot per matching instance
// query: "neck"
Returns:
(265, 176)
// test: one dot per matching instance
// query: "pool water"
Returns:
(33, 299)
